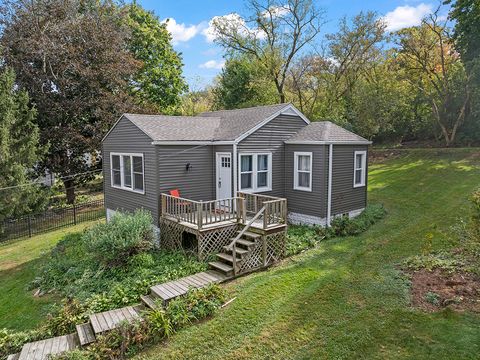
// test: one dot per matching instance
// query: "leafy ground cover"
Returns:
(347, 297)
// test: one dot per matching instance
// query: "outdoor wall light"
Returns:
(188, 167)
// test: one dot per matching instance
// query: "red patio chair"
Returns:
(176, 193)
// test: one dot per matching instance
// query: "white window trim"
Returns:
(121, 155)
(296, 171)
(254, 172)
(363, 168)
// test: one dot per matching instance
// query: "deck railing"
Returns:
(240, 209)
(275, 208)
(202, 213)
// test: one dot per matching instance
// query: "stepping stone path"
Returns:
(109, 320)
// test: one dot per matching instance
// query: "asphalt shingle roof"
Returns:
(207, 126)
(176, 128)
(231, 124)
(325, 131)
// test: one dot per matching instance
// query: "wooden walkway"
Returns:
(44, 348)
(109, 320)
(170, 290)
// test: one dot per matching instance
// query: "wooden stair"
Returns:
(244, 245)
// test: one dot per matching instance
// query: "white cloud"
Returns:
(406, 16)
(230, 21)
(213, 64)
(182, 32)
(277, 10)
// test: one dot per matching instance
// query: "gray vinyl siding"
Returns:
(270, 138)
(224, 149)
(312, 203)
(195, 184)
(127, 138)
(345, 197)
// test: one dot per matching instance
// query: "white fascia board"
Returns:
(193, 142)
(307, 142)
(270, 118)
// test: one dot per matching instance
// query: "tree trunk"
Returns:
(69, 190)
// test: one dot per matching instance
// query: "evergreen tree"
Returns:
(19, 151)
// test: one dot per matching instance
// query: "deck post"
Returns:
(199, 215)
(264, 249)
(265, 217)
(163, 200)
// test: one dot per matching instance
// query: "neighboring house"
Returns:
(319, 167)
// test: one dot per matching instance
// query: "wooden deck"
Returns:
(43, 349)
(173, 289)
(207, 215)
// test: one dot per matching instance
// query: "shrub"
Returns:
(303, 237)
(344, 226)
(12, 342)
(64, 320)
(125, 235)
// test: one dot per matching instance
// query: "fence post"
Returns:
(74, 215)
(29, 226)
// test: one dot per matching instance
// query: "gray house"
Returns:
(249, 170)
(319, 167)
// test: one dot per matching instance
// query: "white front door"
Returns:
(224, 175)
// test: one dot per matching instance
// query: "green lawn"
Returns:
(19, 263)
(346, 299)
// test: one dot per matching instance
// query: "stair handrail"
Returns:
(244, 230)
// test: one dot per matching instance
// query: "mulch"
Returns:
(459, 291)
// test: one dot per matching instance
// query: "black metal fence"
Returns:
(51, 219)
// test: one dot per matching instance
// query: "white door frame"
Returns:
(218, 165)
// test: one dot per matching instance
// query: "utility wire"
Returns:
(59, 178)
(98, 170)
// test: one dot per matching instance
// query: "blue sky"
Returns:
(189, 21)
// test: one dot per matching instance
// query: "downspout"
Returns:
(235, 185)
(329, 195)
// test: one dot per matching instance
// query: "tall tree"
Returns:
(428, 54)
(274, 34)
(466, 14)
(19, 150)
(242, 83)
(159, 81)
(71, 57)
(354, 51)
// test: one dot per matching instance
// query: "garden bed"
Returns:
(438, 289)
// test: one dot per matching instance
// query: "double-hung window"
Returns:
(359, 168)
(302, 171)
(256, 172)
(127, 171)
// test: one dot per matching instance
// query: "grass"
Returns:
(346, 299)
(19, 264)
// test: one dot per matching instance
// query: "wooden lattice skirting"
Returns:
(209, 241)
